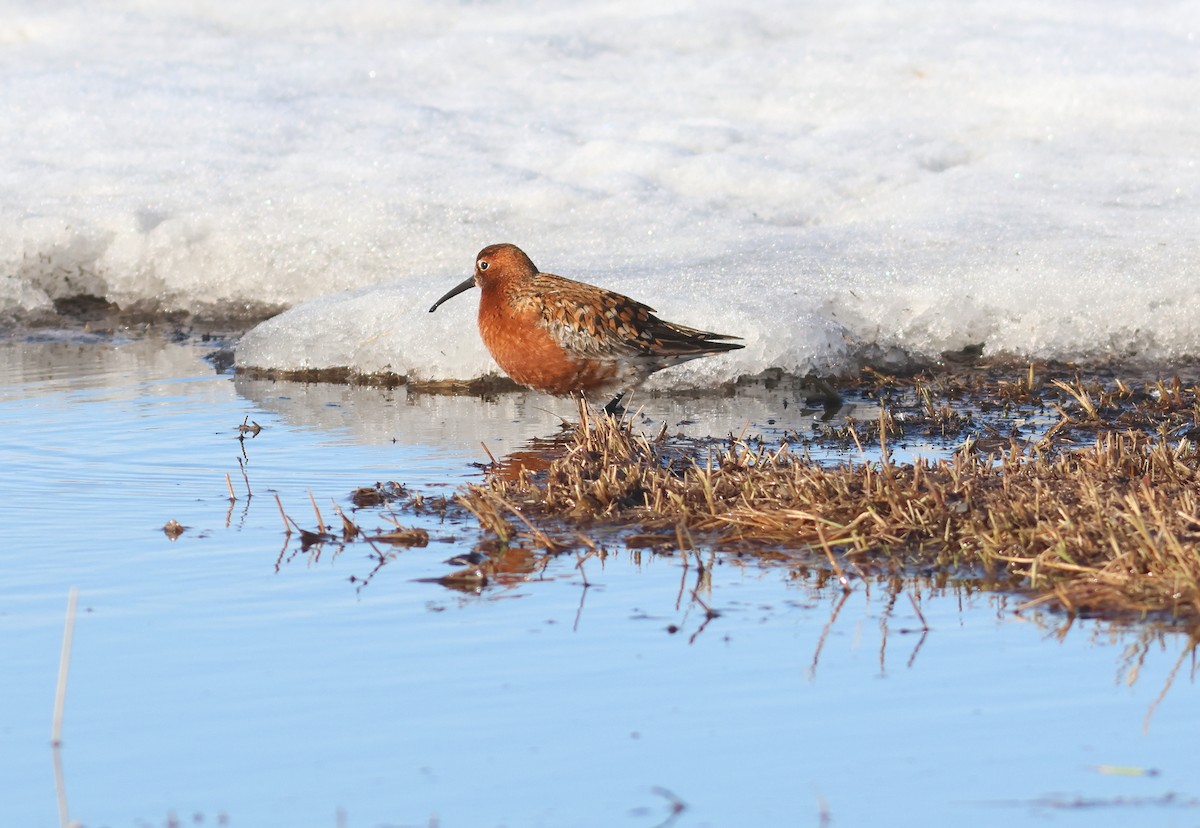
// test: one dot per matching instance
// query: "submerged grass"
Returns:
(1099, 514)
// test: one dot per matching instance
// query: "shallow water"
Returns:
(231, 677)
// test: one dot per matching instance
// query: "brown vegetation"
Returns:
(1109, 526)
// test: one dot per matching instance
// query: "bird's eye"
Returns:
(482, 264)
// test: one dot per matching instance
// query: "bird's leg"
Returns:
(614, 407)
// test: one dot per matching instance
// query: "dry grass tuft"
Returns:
(1111, 527)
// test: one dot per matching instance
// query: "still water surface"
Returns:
(229, 677)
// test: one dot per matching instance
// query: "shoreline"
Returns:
(1088, 503)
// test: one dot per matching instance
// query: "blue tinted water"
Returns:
(208, 687)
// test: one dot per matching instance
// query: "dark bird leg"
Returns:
(614, 407)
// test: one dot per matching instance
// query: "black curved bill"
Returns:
(454, 291)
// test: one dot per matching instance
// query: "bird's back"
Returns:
(595, 322)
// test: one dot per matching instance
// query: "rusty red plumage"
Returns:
(565, 337)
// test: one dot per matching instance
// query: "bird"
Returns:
(569, 338)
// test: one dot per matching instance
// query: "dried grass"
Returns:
(1109, 528)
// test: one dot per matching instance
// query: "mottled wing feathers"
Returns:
(596, 322)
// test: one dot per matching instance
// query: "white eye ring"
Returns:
(482, 264)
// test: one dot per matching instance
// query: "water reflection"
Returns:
(233, 638)
(492, 568)
(498, 564)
